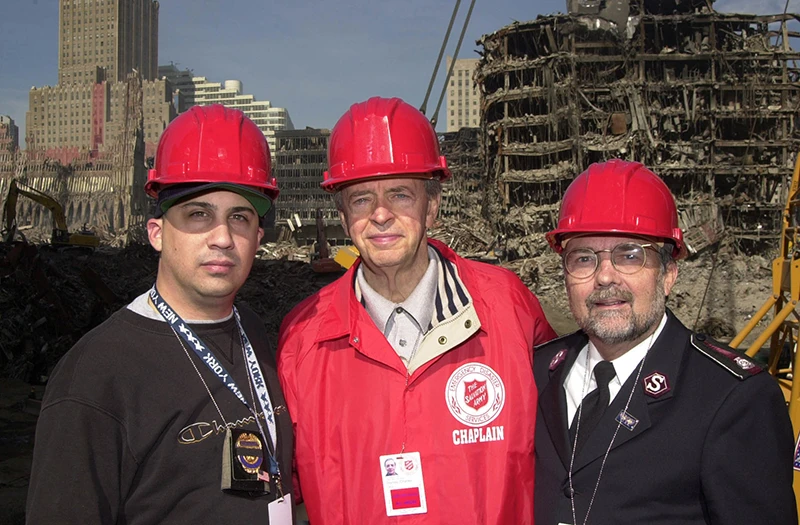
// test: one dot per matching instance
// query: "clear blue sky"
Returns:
(313, 57)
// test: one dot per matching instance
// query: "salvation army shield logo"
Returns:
(475, 394)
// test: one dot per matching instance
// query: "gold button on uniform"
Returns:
(442, 340)
(467, 323)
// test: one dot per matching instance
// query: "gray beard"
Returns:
(636, 326)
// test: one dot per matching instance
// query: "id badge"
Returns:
(403, 485)
(280, 511)
(243, 460)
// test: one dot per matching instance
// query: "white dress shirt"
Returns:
(580, 380)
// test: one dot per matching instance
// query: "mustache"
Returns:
(608, 294)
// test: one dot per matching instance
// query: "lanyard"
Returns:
(205, 354)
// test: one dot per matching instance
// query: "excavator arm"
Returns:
(60, 233)
(59, 219)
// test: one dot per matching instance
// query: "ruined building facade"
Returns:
(462, 195)
(101, 43)
(88, 137)
(709, 101)
(299, 159)
(9, 135)
(104, 194)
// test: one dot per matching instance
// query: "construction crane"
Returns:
(61, 236)
(784, 329)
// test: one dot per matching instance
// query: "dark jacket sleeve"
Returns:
(747, 458)
(81, 465)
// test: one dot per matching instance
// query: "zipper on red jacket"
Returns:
(405, 421)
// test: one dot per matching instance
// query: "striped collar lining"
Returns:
(451, 295)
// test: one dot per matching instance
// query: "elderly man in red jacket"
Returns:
(415, 354)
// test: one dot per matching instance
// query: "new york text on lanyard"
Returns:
(207, 356)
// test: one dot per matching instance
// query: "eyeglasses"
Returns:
(627, 258)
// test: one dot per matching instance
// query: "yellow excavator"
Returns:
(783, 331)
(61, 236)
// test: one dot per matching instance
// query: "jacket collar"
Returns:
(451, 295)
(342, 318)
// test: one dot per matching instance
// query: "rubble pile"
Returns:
(50, 298)
(717, 292)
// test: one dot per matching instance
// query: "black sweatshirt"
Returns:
(128, 433)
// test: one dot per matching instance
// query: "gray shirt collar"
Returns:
(141, 306)
(419, 304)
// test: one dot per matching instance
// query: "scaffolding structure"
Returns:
(707, 100)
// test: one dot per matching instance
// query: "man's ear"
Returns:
(671, 275)
(155, 228)
(433, 210)
(343, 220)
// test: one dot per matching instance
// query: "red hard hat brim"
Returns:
(155, 184)
(333, 184)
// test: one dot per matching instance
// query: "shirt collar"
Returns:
(142, 306)
(419, 304)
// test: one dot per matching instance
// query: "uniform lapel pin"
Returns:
(627, 420)
(656, 384)
(557, 359)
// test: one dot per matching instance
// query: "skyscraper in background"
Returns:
(463, 110)
(191, 90)
(116, 36)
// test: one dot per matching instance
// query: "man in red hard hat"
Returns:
(640, 419)
(171, 411)
(415, 357)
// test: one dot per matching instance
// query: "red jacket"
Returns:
(468, 405)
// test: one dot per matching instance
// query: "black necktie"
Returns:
(594, 404)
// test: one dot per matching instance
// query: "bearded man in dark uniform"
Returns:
(641, 420)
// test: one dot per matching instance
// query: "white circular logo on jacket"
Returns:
(475, 394)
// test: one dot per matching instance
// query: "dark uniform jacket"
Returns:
(706, 439)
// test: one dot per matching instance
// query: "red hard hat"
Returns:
(212, 144)
(382, 137)
(617, 196)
